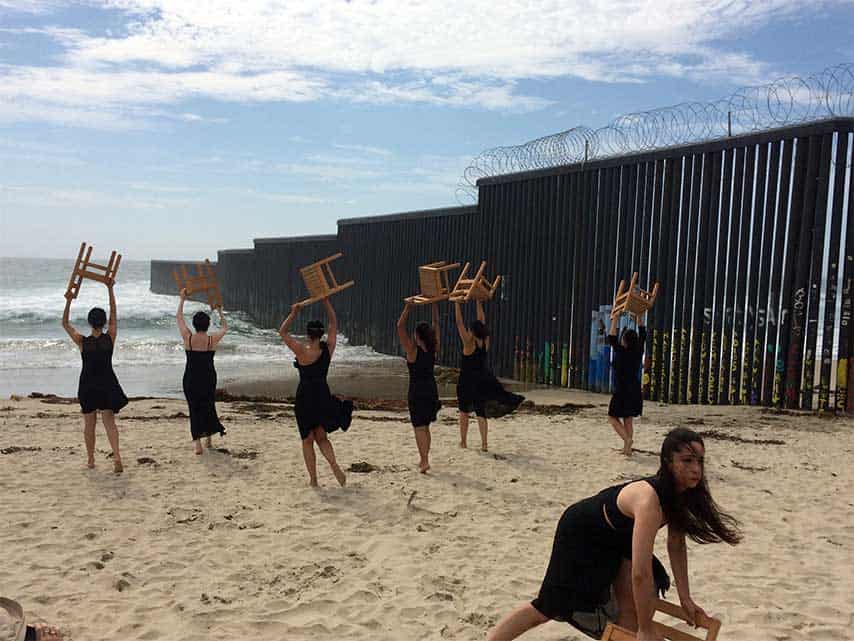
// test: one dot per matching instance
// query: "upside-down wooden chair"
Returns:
(320, 281)
(204, 281)
(712, 626)
(84, 268)
(478, 287)
(633, 300)
(433, 278)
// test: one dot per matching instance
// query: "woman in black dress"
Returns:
(606, 542)
(200, 374)
(99, 389)
(478, 390)
(423, 394)
(627, 400)
(318, 412)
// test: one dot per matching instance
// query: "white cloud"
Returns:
(367, 149)
(471, 54)
(52, 197)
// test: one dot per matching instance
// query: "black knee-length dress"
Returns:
(423, 394)
(627, 399)
(586, 556)
(99, 388)
(480, 392)
(315, 405)
(200, 392)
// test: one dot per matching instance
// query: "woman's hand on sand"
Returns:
(696, 614)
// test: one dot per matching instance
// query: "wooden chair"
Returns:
(614, 632)
(633, 300)
(315, 278)
(204, 281)
(478, 287)
(83, 268)
(434, 283)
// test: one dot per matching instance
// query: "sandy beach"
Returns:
(233, 544)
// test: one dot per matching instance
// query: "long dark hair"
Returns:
(693, 511)
(631, 338)
(424, 331)
(480, 330)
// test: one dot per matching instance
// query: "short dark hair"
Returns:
(201, 321)
(314, 330)
(480, 330)
(97, 318)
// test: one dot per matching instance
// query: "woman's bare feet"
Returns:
(627, 448)
(312, 483)
(208, 442)
(464, 445)
(484, 448)
(339, 475)
(46, 632)
(198, 447)
(423, 466)
(118, 468)
(90, 464)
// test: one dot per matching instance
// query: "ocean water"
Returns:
(37, 355)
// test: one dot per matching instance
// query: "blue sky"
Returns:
(170, 129)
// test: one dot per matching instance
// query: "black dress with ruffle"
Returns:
(200, 391)
(315, 405)
(586, 556)
(99, 388)
(479, 391)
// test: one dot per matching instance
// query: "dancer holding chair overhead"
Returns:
(478, 391)
(99, 389)
(627, 399)
(317, 411)
(199, 380)
(423, 396)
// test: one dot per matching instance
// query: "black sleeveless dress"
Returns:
(99, 388)
(480, 392)
(423, 394)
(627, 399)
(200, 392)
(315, 405)
(586, 556)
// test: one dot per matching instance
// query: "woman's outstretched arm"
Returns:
(461, 324)
(332, 331)
(435, 316)
(66, 323)
(112, 324)
(179, 316)
(294, 345)
(223, 328)
(648, 516)
(677, 550)
(403, 335)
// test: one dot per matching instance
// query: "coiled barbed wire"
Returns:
(780, 103)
